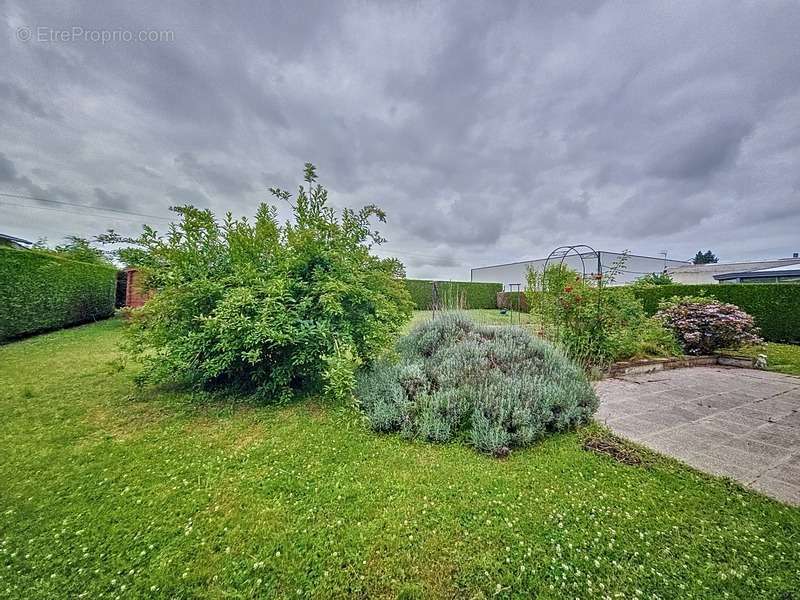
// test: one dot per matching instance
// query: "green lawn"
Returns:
(485, 316)
(783, 358)
(107, 492)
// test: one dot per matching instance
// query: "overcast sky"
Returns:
(490, 132)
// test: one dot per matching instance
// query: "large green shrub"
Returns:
(40, 291)
(81, 249)
(271, 308)
(492, 387)
(453, 294)
(775, 307)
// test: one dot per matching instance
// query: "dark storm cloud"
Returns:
(702, 152)
(490, 132)
(15, 96)
(464, 223)
(19, 184)
(445, 260)
(112, 200)
(8, 172)
(182, 195)
(651, 214)
(216, 177)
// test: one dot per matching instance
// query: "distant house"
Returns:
(635, 266)
(10, 241)
(789, 273)
(738, 272)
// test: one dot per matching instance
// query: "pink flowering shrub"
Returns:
(703, 325)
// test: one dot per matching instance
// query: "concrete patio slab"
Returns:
(738, 423)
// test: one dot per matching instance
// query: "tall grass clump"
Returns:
(494, 388)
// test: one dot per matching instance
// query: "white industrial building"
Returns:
(511, 274)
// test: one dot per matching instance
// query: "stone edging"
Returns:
(651, 365)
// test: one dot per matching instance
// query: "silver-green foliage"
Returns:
(492, 387)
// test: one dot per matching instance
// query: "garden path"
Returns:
(739, 423)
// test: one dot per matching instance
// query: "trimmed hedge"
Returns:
(40, 291)
(775, 307)
(477, 295)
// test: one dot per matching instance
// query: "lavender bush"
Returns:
(494, 388)
(703, 325)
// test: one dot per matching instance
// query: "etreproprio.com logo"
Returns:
(52, 35)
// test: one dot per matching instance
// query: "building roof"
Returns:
(16, 241)
(753, 265)
(787, 267)
(790, 269)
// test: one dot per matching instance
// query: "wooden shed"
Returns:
(135, 295)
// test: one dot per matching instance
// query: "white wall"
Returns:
(695, 277)
(635, 267)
